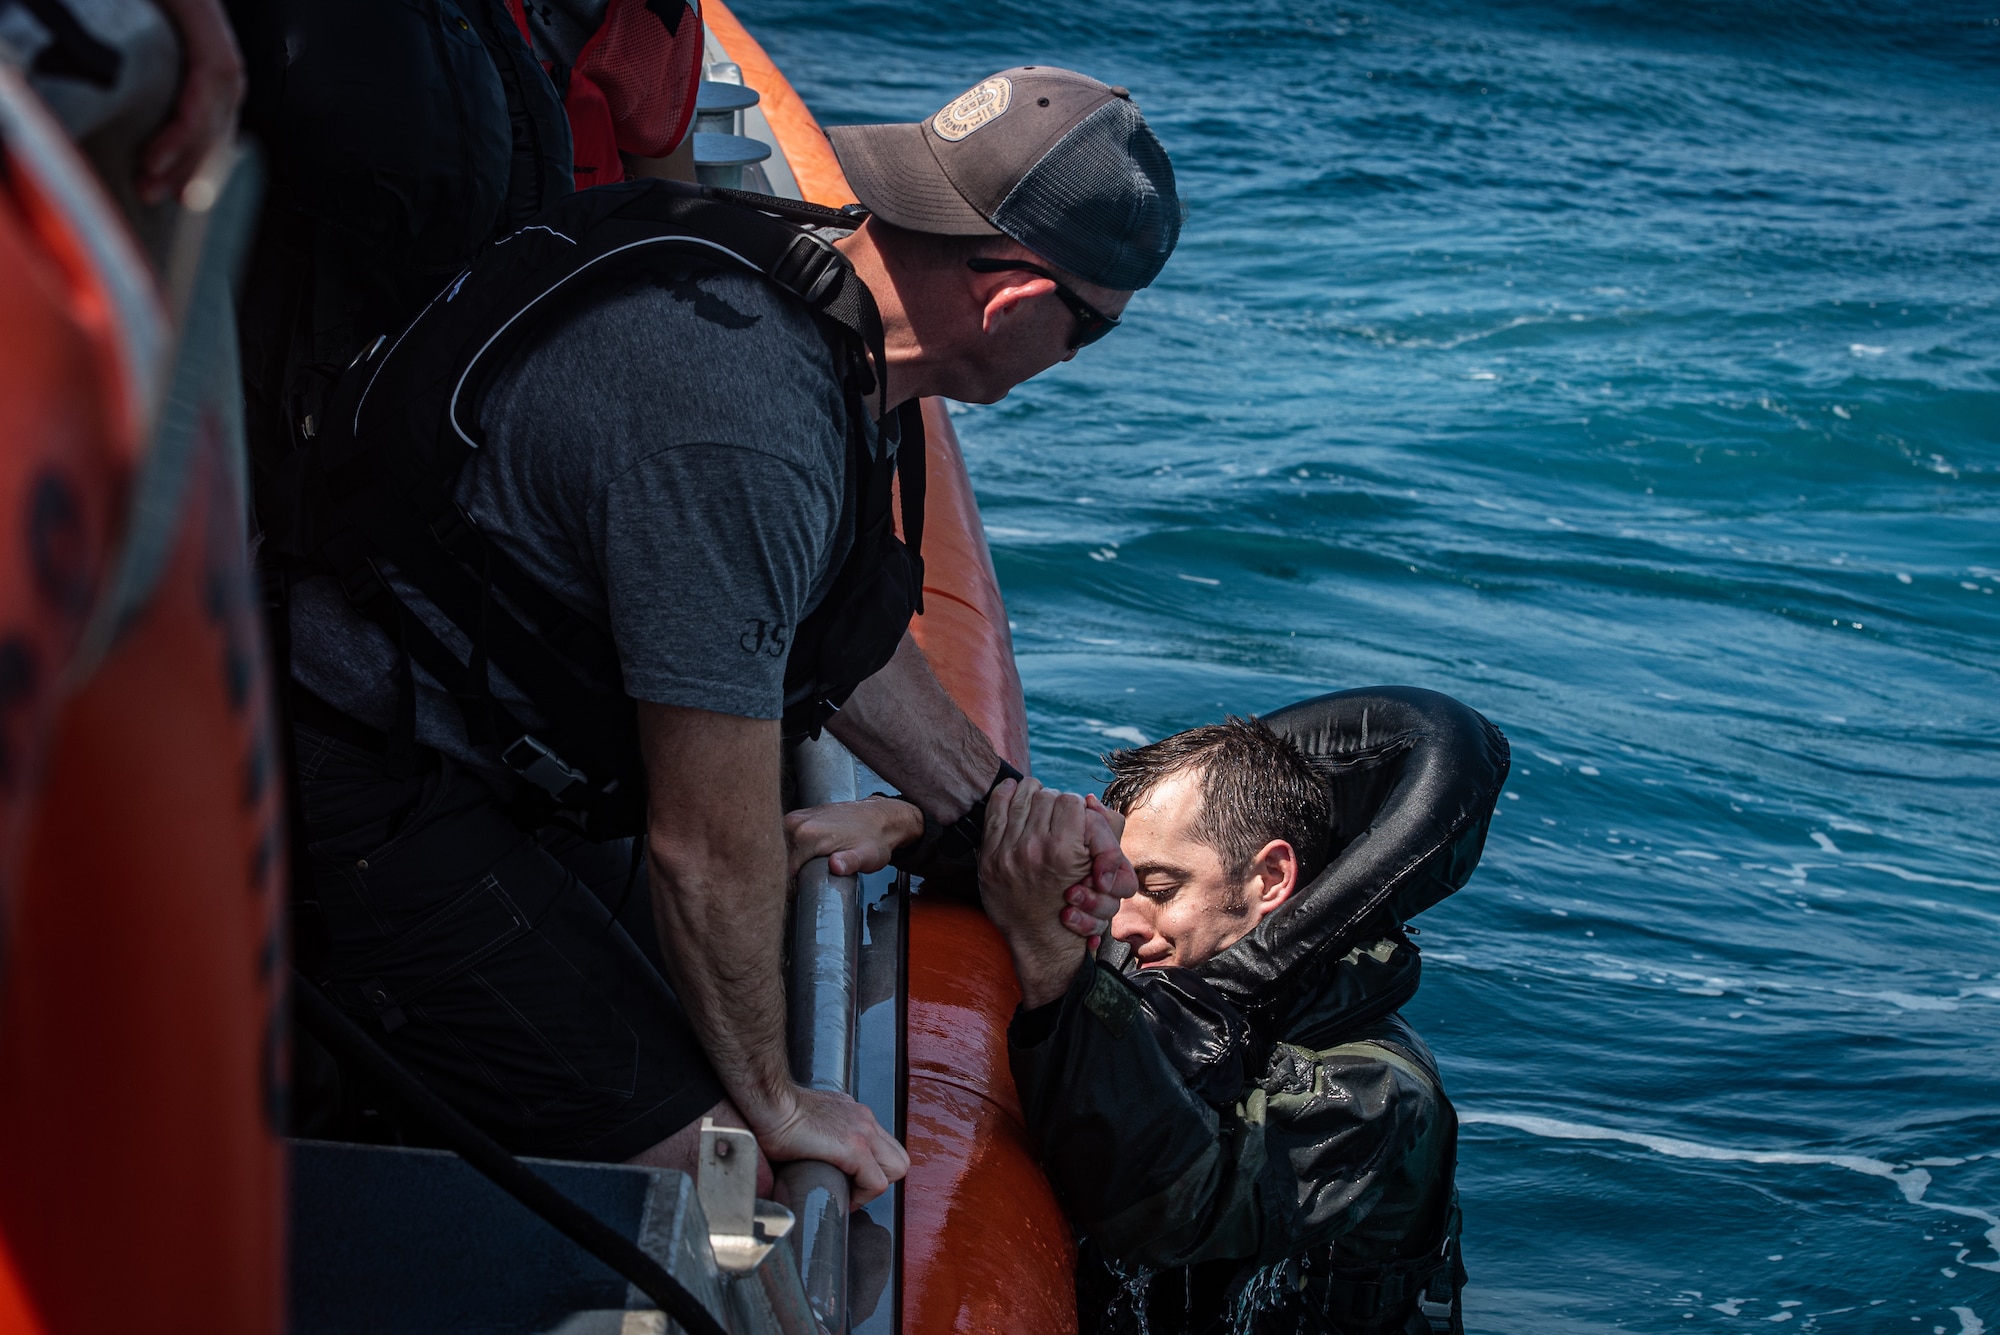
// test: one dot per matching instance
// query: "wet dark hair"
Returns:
(1255, 787)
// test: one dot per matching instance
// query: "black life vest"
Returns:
(402, 137)
(376, 482)
(419, 128)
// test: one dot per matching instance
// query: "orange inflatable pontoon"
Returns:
(140, 1063)
(986, 1248)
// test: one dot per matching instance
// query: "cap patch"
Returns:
(983, 104)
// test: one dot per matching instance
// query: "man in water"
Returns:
(672, 461)
(1308, 1172)
(1288, 1169)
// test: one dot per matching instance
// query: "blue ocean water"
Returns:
(1632, 372)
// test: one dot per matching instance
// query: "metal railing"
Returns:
(845, 1029)
(825, 970)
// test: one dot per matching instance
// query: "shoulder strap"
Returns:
(388, 467)
(1389, 1054)
(644, 224)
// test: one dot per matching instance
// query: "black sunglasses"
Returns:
(1091, 323)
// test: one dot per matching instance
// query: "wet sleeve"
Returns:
(1340, 1123)
(710, 554)
(1141, 1164)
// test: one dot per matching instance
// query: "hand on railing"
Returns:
(860, 837)
(854, 837)
(834, 1129)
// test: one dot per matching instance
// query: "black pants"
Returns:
(489, 960)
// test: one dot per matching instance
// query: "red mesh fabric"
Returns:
(593, 138)
(648, 72)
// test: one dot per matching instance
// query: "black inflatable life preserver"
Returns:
(1415, 775)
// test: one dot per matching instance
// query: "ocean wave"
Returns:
(1912, 1181)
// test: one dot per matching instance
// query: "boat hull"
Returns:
(985, 1244)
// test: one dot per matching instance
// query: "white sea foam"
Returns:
(1906, 1001)
(1968, 1324)
(1922, 878)
(1912, 1181)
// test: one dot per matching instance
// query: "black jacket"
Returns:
(1267, 1128)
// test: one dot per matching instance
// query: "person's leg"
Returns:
(488, 966)
(617, 875)
(618, 878)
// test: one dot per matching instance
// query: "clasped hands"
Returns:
(1051, 877)
(1051, 874)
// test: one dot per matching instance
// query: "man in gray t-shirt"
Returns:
(670, 462)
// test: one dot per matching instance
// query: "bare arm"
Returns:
(903, 726)
(716, 844)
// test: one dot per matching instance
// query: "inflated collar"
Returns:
(1415, 776)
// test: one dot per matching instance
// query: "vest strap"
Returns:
(381, 479)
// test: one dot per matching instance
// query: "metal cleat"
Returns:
(742, 1230)
(761, 1278)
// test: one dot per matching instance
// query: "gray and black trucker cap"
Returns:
(1060, 162)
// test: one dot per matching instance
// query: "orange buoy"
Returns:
(985, 1246)
(140, 1169)
(963, 630)
(141, 1057)
(72, 414)
(16, 1316)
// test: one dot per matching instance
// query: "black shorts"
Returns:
(490, 961)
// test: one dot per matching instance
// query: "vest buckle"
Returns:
(808, 269)
(451, 527)
(1435, 1300)
(362, 582)
(540, 766)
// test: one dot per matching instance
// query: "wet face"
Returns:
(1189, 909)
